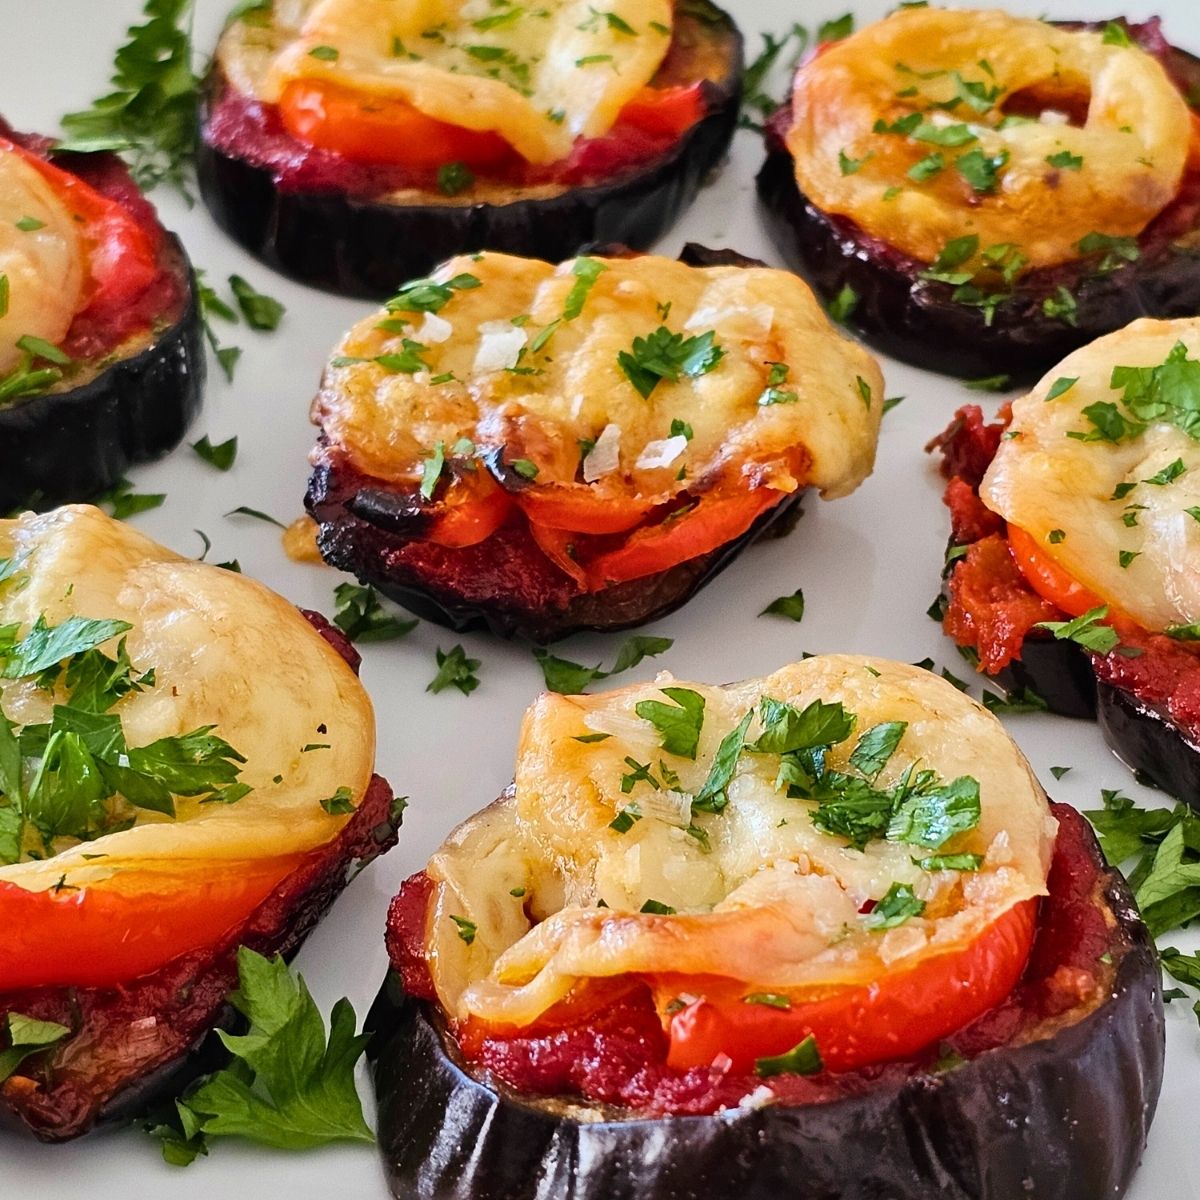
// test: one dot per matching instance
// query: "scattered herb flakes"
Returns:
(570, 678)
(989, 383)
(678, 723)
(899, 904)
(340, 803)
(427, 295)
(455, 669)
(361, 616)
(1062, 385)
(791, 607)
(657, 908)
(27, 1036)
(466, 929)
(1065, 160)
(666, 355)
(1059, 772)
(842, 306)
(950, 862)
(431, 470)
(123, 502)
(586, 271)
(222, 455)
(1088, 630)
(1015, 702)
(876, 747)
(255, 514)
(803, 1059)
(260, 312)
(455, 178)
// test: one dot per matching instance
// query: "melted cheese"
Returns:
(226, 652)
(775, 902)
(556, 70)
(1042, 480)
(387, 422)
(44, 266)
(1133, 144)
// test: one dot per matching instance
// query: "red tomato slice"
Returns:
(1047, 578)
(581, 509)
(665, 110)
(122, 259)
(897, 1015)
(556, 545)
(377, 129)
(122, 928)
(715, 521)
(474, 508)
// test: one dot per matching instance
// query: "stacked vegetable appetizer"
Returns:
(101, 363)
(354, 144)
(186, 769)
(829, 911)
(983, 193)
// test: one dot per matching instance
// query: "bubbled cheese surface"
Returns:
(775, 902)
(1131, 147)
(388, 422)
(226, 652)
(540, 75)
(1042, 479)
(44, 265)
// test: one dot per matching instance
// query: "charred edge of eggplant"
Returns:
(366, 248)
(916, 320)
(1147, 741)
(72, 445)
(1058, 671)
(351, 544)
(1063, 1117)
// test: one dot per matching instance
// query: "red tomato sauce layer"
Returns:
(615, 1052)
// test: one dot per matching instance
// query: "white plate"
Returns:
(869, 566)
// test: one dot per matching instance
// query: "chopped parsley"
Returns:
(803, 1059)
(1062, 385)
(340, 803)
(1115, 251)
(221, 455)
(426, 295)
(980, 170)
(455, 669)
(851, 166)
(1087, 630)
(586, 271)
(466, 929)
(259, 311)
(774, 393)
(842, 306)
(27, 1036)
(454, 178)
(678, 723)
(657, 908)
(791, 607)
(362, 618)
(1065, 160)
(898, 905)
(570, 678)
(666, 355)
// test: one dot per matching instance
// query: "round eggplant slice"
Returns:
(1060, 1113)
(71, 445)
(359, 244)
(918, 321)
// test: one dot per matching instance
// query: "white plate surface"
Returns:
(868, 565)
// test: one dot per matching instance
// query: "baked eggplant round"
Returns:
(541, 449)
(1073, 547)
(970, 206)
(101, 354)
(352, 156)
(581, 1006)
(146, 848)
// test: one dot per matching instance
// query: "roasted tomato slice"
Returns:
(665, 110)
(1047, 578)
(378, 129)
(581, 508)
(897, 1015)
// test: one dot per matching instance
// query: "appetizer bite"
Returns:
(1075, 545)
(544, 449)
(820, 926)
(101, 359)
(185, 768)
(980, 193)
(353, 144)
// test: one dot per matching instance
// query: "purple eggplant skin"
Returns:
(1058, 671)
(69, 446)
(916, 320)
(1147, 741)
(351, 542)
(1064, 1117)
(363, 247)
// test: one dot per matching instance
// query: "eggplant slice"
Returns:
(1062, 1116)
(360, 246)
(72, 445)
(916, 320)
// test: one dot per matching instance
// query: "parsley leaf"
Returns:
(260, 312)
(361, 616)
(666, 355)
(1087, 630)
(932, 817)
(454, 178)
(426, 295)
(586, 272)
(221, 456)
(898, 904)
(804, 1059)
(46, 646)
(791, 606)
(570, 678)
(712, 796)
(288, 1087)
(679, 723)
(27, 1036)
(876, 746)
(455, 669)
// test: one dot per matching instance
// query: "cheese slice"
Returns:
(42, 262)
(227, 652)
(774, 901)
(1043, 480)
(539, 74)
(573, 388)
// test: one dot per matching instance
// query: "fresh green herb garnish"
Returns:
(804, 1059)
(666, 355)
(260, 312)
(679, 723)
(361, 616)
(898, 905)
(255, 514)
(657, 908)
(1065, 160)
(1062, 385)
(1088, 630)
(27, 1036)
(791, 606)
(950, 862)
(455, 669)
(570, 678)
(340, 803)
(427, 295)
(123, 502)
(454, 178)
(221, 455)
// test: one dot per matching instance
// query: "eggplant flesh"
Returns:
(358, 246)
(71, 445)
(916, 320)
(1061, 1117)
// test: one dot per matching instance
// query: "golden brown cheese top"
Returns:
(761, 894)
(225, 652)
(1118, 508)
(916, 128)
(500, 364)
(540, 75)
